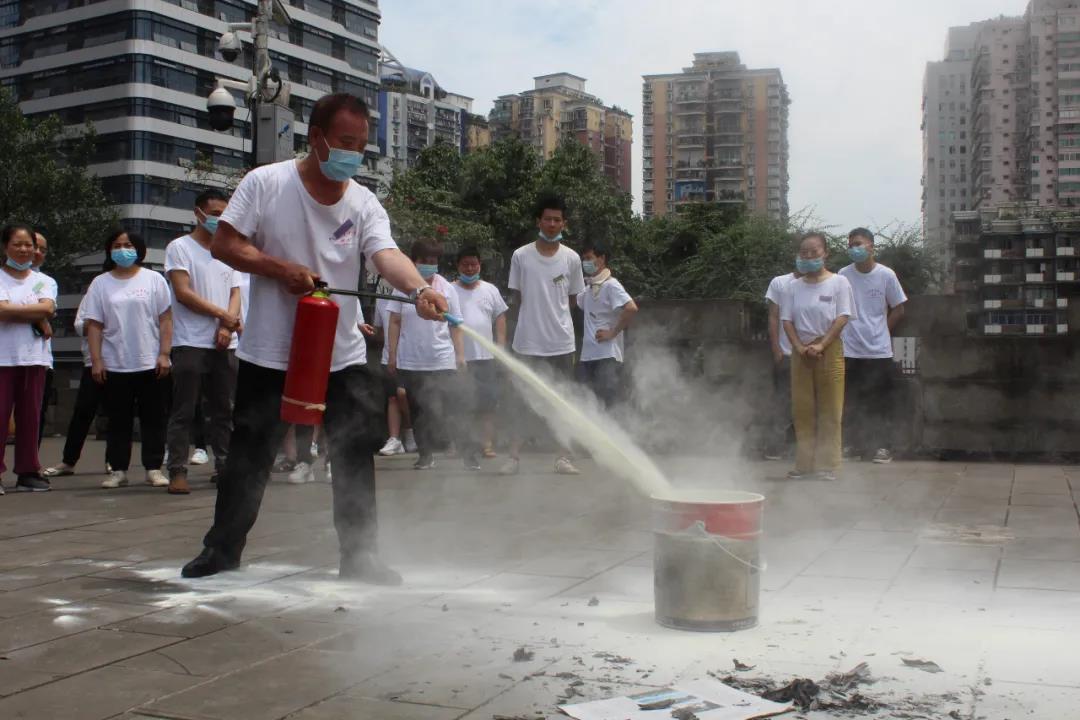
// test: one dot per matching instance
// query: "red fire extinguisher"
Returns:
(304, 399)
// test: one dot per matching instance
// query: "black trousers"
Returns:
(604, 378)
(207, 378)
(87, 402)
(869, 402)
(780, 428)
(525, 424)
(355, 426)
(126, 394)
(432, 395)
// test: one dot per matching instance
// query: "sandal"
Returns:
(60, 470)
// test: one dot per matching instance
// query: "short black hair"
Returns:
(815, 234)
(424, 247)
(596, 249)
(549, 201)
(210, 194)
(330, 105)
(136, 240)
(468, 251)
(863, 233)
(12, 228)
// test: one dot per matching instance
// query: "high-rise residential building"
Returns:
(417, 112)
(141, 70)
(717, 132)
(947, 139)
(557, 108)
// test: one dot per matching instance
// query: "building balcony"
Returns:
(1067, 276)
(1067, 251)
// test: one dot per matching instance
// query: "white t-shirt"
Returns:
(276, 213)
(424, 344)
(382, 320)
(480, 306)
(544, 325)
(867, 336)
(211, 279)
(775, 294)
(602, 313)
(80, 330)
(245, 293)
(19, 346)
(130, 310)
(813, 307)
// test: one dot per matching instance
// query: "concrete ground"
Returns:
(975, 567)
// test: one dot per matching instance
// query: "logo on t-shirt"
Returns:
(824, 298)
(138, 293)
(559, 280)
(344, 236)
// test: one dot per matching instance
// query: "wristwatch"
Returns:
(415, 294)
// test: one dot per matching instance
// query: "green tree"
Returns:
(44, 182)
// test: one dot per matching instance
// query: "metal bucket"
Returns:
(706, 567)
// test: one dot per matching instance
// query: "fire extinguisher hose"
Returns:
(453, 320)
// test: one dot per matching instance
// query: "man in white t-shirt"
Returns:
(483, 310)
(547, 277)
(868, 350)
(206, 316)
(780, 434)
(425, 357)
(289, 225)
(608, 311)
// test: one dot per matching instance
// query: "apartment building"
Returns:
(946, 110)
(717, 132)
(558, 107)
(140, 71)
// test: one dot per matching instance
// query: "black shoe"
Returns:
(425, 462)
(472, 462)
(32, 483)
(367, 567)
(214, 478)
(209, 562)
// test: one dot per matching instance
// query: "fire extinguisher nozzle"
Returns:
(452, 320)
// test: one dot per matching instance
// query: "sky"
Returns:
(854, 71)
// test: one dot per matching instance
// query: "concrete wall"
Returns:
(968, 394)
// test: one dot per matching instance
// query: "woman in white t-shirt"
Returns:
(128, 317)
(814, 310)
(425, 356)
(27, 301)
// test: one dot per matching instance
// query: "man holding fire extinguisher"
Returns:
(289, 225)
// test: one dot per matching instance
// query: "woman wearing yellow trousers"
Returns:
(814, 310)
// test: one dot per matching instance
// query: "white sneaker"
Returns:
(301, 474)
(199, 457)
(314, 449)
(117, 478)
(410, 442)
(329, 475)
(393, 446)
(510, 467)
(564, 466)
(156, 478)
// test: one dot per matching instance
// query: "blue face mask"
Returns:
(124, 257)
(545, 238)
(809, 266)
(588, 267)
(20, 266)
(340, 165)
(426, 271)
(209, 223)
(858, 253)
(469, 279)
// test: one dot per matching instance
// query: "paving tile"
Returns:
(361, 708)
(186, 621)
(1030, 655)
(948, 587)
(955, 557)
(15, 678)
(1043, 548)
(578, 563)
(60, 621)
(1044, 522)
(272, 689)
(987, 515)
(1043, 609)
(1022, 700)
(876, 540)
(93, 648)
(1031, 499)
(879, 564)
(94, 695)
(1040, 574)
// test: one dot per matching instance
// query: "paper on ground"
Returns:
(707, 699)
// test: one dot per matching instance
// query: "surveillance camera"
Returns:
(221, 106)
(229, 46)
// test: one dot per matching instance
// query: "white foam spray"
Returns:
(608, 443)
